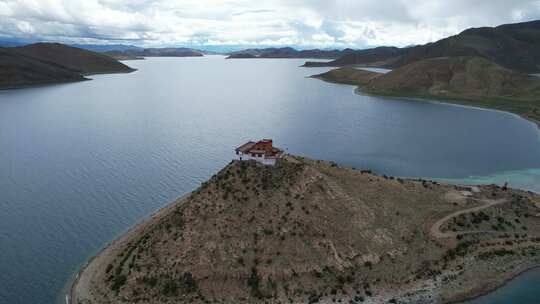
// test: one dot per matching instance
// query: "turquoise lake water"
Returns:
(80, 163)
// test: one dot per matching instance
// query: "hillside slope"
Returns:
(381, 56)
(310, 231)
(17, 70)
(462, 77)
(75, 59)
(514, 46)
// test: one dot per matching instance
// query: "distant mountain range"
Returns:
(514, 46)
(106, 47)
(289, 52)
(285, 52)
(154, 52)
(42, 63)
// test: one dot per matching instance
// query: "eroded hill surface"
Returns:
(311, 231)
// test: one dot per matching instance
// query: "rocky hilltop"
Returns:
(307, 231)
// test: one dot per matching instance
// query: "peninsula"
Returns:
(473, 81)
(45, 63)
(308, 231)
(488, 67)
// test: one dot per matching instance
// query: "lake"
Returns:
(80, 163)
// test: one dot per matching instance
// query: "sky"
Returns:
(299, 23)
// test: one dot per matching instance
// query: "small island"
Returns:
(310, 231)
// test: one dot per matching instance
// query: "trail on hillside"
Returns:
(436, 228)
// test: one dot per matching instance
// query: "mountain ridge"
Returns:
(47, 63)
(515, 46)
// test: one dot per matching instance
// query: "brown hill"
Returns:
(515, 46)
(460, 77)
(75, 59)
(19, 70)
(309, 231)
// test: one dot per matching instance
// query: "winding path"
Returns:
(436, 228)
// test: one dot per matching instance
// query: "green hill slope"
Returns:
(19, 70)
(75, 59)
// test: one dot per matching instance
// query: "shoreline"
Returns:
(52, 82)
(444, 100)
(132, 232)
(449, 101)
(464, 102)
(489, 289)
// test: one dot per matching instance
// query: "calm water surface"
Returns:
(522, 290)
(80, 163)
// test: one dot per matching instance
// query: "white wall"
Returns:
(262, 160)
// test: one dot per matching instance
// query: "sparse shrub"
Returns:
(170, 288)
(118, 282)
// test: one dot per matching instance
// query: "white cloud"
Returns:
(307, 23)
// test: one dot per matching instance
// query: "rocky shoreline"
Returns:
(489, 289)
(80, 284)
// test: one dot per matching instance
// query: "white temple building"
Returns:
(262, 151)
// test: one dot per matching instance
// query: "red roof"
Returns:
(263, 146)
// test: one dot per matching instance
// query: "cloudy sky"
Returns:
(301, 23)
